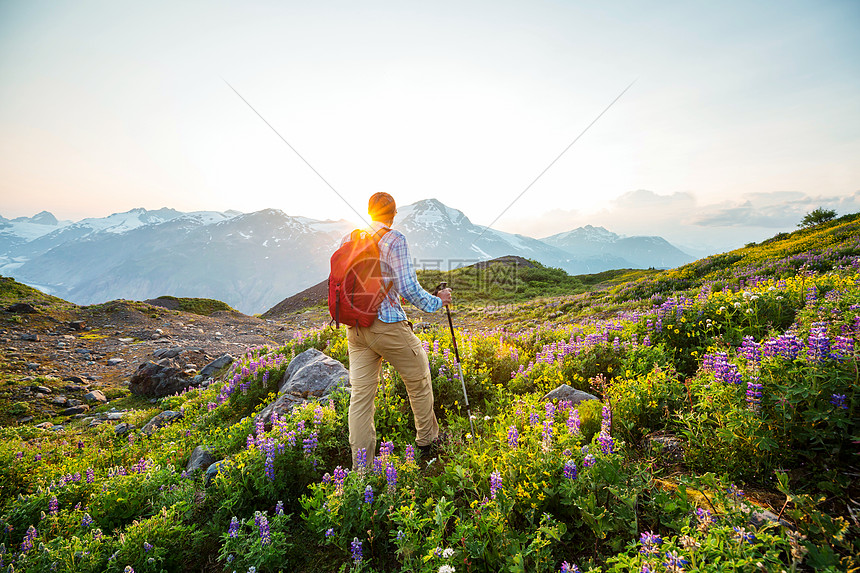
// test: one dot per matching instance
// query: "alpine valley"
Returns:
(253, 260)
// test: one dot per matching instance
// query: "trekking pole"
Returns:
(443, 286)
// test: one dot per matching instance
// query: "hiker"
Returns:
(391, 337)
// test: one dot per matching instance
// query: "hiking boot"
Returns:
(430, 451)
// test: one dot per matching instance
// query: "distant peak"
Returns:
(44, 218)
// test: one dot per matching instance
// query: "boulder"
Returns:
(29, 337)
(565, 392)
(77, 325)
(312, 373)
(95, 396)
(200, 458)
(216, 365)
(176, 351)
(59, 400)
(21, 308)
(75, 410)
(160, 421)
(114, 361)
(283, 405)
(122, 429)
(42, 389)
(211, 472)
(669, 448)
(152, 379)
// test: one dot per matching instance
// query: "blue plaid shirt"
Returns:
(398, 270)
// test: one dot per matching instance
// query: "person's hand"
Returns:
(445, 295)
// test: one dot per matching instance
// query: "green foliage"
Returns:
(202, 306)
(816, 217)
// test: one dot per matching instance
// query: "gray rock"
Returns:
(283, 405)
(30, 337)
(21, 308)
(565, 392)
(42, 389)
(95, 396)
(45, 425)
(32, 366)
(59, 400)
(122, 429)
(73, 402)
(760, 517)
(78, 325)
(200, 458)
(174, 352)
(25, 420)
(74, 410)
(670, 448)
(160, 421)
(115, 416)
(216, 365)
(115, 361)
(159, 380)
(211, 472)
(312, 373)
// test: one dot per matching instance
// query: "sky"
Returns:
(742, 116)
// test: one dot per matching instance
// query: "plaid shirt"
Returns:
(397, 268)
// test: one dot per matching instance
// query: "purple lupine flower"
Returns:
(754, 395)
(127, 569)
(355, 548)
(570, 469)
(573, 421)
(291, 438)
(751, 350)
(386, 449)
(368, 494)
(533, 418)
(270, 468)
(146, 547)
(279, 508)
(569, 568)
(310, 444)
(742, 534)
(90, 475)
(513, 437)
(378, 465)
(29, 537)
(338, 478)
(606, 423)
(650, 543)
(410, 454)
(674, 563)
(550, 410)
(588, 461)
(361, 460)
(53, 506)
(844, 348)
(86, 520)
(300, 426)
(233, 531)
(318, 415)
(607, 443)
(263, 526)
(546, 435)
(495, 483)
(704, 518)
(735, 492)
(391, 477)
(329, 532)
(818, 344)
(838, 400)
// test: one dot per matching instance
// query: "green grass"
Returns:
(201, 306)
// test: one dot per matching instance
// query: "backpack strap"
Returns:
(384, 231)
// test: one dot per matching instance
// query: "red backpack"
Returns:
(355, 285)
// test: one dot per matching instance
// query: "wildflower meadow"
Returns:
(723, 437)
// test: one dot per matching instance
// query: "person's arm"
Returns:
(405, 280)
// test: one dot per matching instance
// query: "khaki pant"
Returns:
(396, 343)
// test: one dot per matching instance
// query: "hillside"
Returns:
(703, 418)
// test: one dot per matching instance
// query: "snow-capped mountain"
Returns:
(642, 252)
(254, 260)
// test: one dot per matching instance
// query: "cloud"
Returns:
(684, 220)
